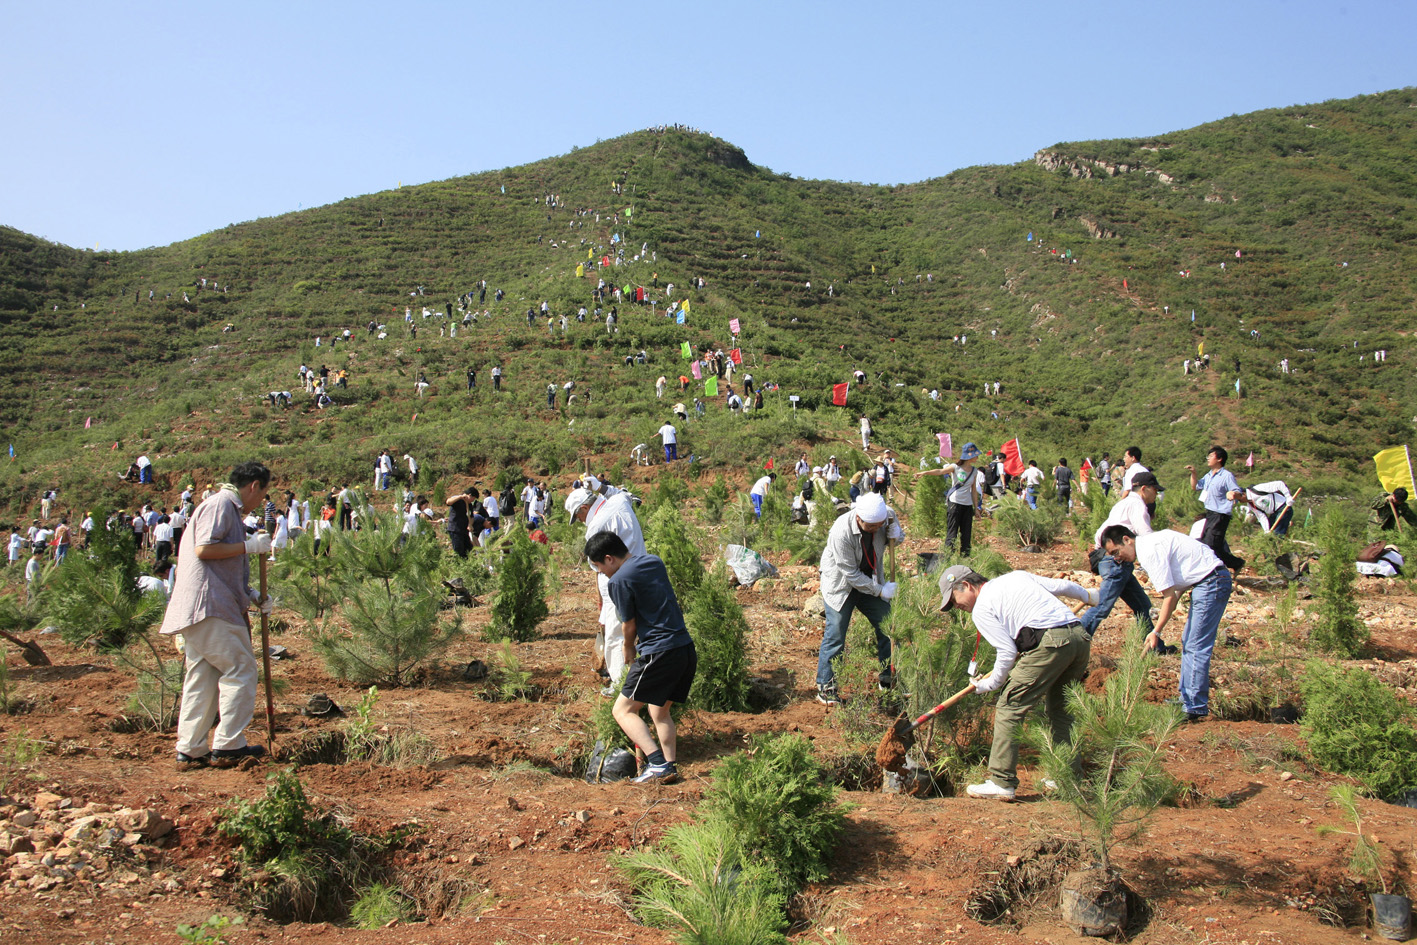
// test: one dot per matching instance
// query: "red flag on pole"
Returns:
(737, 355)
(1013, 457)
(839, 394)
(768, 464)
(1087, 462)
(1124, 283)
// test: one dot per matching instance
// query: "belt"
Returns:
(1028, 638)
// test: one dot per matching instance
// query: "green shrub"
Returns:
(1357, 726)
(1111, 770)
(720, 631)
(929, 518)
(698, 883)
(670, 538)
(306, 862)
(1338, 631)
(776, 800)
(389, 598)
(520, 604)
(1026, 526)
(715, 498)
(378, 906)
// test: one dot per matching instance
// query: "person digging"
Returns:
(1041, 648)
(658, 650)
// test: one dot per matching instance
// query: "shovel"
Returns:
(890, 754)
(266, 665)
(30, 650)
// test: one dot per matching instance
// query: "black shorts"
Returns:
(661, 678)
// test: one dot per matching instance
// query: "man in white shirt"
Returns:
(670, 437)
(493, 510)
(1040, 648)
(1032, 479)
(1131, 463)
(853, 577)
(1178, 563)
(1119, 581)
(831, 472)
(759, 492)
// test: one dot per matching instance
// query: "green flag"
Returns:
(685, 350)
(711, 387)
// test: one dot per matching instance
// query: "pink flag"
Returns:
(698, 374)
(946, 447)
(733, 325)
(88, 423)
(1237, 254)
(1250, 463)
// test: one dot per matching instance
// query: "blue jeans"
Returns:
(1031, 495)
(834, 637)
(1119, 582)
(671, 452)
(757, 505)
(1208, 601)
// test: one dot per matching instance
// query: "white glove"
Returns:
(1094, 596)
(268, 605)
(888, 590)
(896, 533)
(258, 544)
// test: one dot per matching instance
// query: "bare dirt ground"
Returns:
(528, 850)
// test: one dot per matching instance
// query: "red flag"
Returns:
(1013, 457)
(110, 449)
(839, 394)
(1124, 283)
(737, 356)
(768, 464)
(1086, 462)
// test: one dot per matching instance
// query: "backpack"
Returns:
(808, 490)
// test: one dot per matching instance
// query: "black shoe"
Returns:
(885, 682)
(1194, 717)
(826, 694)
(231, 757)
(189, 763)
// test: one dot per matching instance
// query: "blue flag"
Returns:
(504, 188)
(1193, 314)
(758, 235)
(1030, 236)
(679, 318)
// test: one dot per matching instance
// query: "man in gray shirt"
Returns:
(210, 595)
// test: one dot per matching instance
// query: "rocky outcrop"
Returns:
(1098, 231)
(1087, 168)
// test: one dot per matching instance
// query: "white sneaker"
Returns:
(1049, 784)
(659, 774)
(990, 790)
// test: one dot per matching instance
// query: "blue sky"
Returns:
(133, 125)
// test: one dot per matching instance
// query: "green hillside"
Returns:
(1086, 327)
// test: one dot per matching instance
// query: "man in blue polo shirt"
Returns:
(1218, 490)
(658, 650)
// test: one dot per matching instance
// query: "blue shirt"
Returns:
(641, 592)
(1213, 486)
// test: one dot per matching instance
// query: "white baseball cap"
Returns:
(576, 499)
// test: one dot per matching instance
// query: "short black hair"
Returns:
(604, 545)
(246, 473)
(1115, 533)
(1134, 452)
(1400, 494)
(1220, 454)
(1063, 461)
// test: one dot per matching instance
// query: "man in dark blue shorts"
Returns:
(658, 650)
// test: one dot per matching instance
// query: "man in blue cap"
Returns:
(964, 497)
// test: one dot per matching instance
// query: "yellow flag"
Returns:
(589, 254)
(580, 271)
(1200, 349)
(686, 306)
(873, 269)
(1395, 469)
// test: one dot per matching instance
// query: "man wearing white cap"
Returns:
(614, 514)
(853, 572)
(1040, 648)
